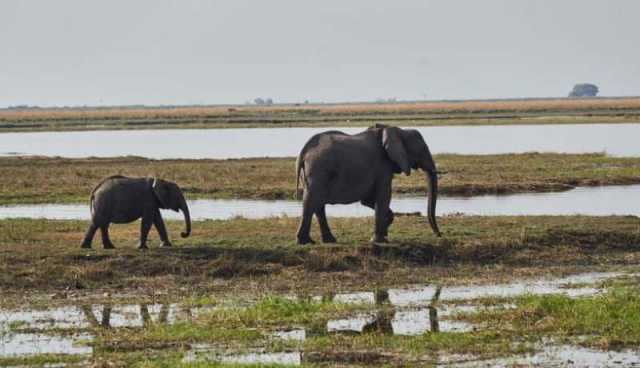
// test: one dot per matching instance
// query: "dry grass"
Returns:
(39, 180)
(417, 113)
(474, 106)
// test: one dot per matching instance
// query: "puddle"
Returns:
(294, 335)
(563, 356)
(611, 200)
(355, 324)
(38, 322)
(423, 295)
(286, 142)
(81, 317)
(355, 298)
(407, 312)
(24, 344)
(410, 320)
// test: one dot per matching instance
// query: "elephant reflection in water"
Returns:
(144, 315)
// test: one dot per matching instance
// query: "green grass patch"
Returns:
(610, 320)
(276, 311)
(58, 180)
(482, 344)
(42, 360)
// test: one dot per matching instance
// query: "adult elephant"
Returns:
(119, 199)
(339, 168)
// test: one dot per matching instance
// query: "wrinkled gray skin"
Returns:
(338, 168)
(119, 200)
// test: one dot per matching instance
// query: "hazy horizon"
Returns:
(74, 52)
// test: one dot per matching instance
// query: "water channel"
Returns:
(614, 139)
(593, 201)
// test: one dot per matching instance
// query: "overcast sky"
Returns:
(85, 52)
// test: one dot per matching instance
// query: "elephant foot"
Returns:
(329, 238)
(165, 244)
(305, 240)
(379, 239)
(108, 246)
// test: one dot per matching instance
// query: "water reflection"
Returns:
(562, 356)
(407, 312)
(286, 142)
(592, 201)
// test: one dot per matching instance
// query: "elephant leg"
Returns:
(305, 222)
(327, 237)
(144, 313)
(88, 236)
(106, 317)
(162, 231)
(382, 213)
(370, 202)
(106, 241)
(145, 226)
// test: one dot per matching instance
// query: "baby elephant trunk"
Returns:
(187, 218)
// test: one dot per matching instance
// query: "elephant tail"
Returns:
(91, 206)
(299, 168)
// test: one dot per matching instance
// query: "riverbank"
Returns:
(488, 112)
(261, 255)
(32, 180)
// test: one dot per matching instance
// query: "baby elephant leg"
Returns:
(88, 236)
(106, 242)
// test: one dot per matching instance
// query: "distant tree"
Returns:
(584, 90)
(263, 101)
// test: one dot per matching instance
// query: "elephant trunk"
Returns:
(187, 218)
(432, 191)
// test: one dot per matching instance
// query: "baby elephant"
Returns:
(119, 200)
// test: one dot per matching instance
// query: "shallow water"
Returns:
(593, 201)
(287, 142)
(23, 344)
(424, 295)
(564, 356)
(26, 332)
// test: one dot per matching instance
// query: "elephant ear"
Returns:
(161, 192)
(392, 143)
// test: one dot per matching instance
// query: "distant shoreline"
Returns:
(413, 113)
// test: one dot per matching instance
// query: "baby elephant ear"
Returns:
(160, 191)
(392, 143)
